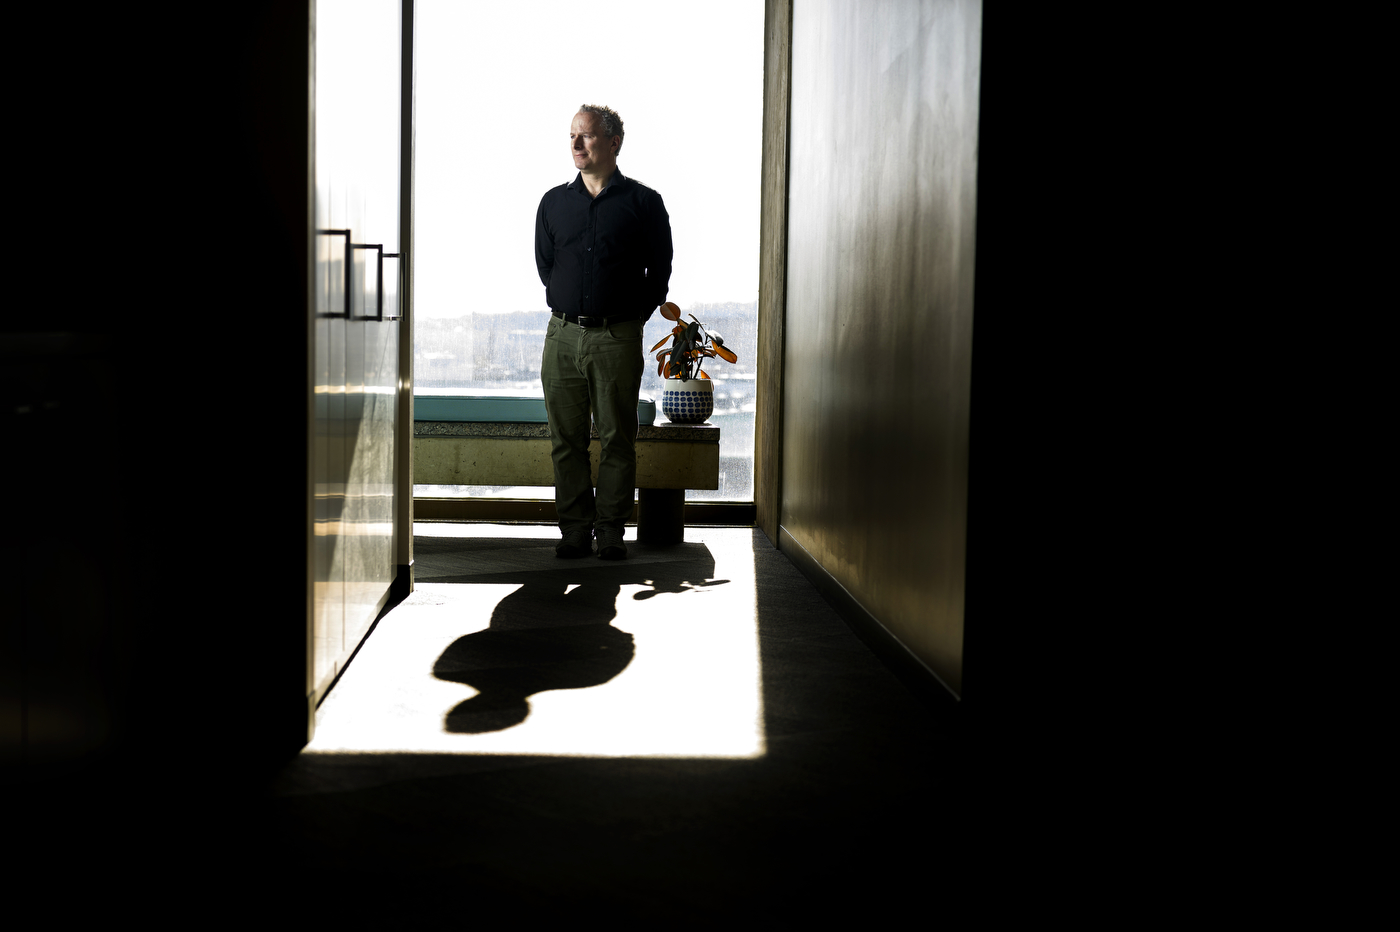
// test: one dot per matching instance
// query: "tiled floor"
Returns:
(684, 734)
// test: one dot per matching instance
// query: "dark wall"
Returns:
(882, 210)
(158, 563)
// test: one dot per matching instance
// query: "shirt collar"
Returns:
(616, 178)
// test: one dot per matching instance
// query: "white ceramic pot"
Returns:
(687, 401)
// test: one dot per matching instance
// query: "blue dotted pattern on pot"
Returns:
(686, 407)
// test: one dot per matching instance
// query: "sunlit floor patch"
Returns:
(691, 688)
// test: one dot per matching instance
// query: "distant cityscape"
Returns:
(503, 351)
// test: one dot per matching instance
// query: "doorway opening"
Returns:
(496, 88)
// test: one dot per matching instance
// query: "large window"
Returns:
(497, 85)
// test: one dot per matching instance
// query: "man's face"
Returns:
(593, 152)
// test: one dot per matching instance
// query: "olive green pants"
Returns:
(597, 368)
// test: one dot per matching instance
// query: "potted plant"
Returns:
(687, 397)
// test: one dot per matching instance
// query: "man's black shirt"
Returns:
(605, 256)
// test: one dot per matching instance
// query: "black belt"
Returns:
(584, 320)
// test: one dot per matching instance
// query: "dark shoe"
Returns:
(577, 542)
(610, 545)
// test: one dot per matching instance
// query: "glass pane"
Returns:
(693, 113)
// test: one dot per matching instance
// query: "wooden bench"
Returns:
(670, 459)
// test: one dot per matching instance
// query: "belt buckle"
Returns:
(590, 322)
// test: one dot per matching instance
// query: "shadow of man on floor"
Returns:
(555, 632)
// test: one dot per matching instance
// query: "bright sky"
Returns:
(498, 85)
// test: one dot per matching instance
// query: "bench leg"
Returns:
(660, 516)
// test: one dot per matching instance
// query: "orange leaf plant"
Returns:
(690, 344)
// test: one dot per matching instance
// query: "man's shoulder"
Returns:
(641, 186)
(560, 191)
(642, 191)
(556, 191)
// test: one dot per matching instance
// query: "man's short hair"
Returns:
(610, 122)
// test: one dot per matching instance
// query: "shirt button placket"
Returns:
(592, 241)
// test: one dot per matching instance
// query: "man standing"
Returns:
(603, 248)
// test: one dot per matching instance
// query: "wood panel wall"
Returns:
(878, 296)
(772, 274)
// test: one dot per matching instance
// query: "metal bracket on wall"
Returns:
(398, 292)
(379, 276)
(348, 264)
